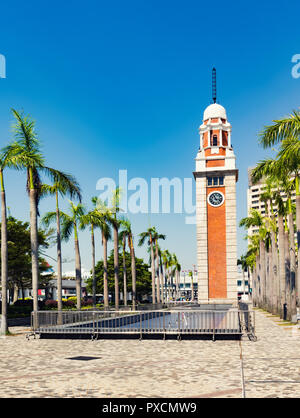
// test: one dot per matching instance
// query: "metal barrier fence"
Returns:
(164, 322)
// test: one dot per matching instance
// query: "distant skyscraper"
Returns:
(253, 199)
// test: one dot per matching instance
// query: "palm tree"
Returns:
(281, 212)
(242, 261)
(148, 235)
(127, 232)
(177, 269)
(161, 274)
(253, 262)
(27, 154)
(70, 224)
(93, 220)
(281, 170)
(256, 219)
(156, 237)
(7, 159)
(105, 236)
(104, 218)
(122, 240)
(192, 283)
(167, 262)
(286, 131)
(64, 185)
(4, 256)
(115, 225)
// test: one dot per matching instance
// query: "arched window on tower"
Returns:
(215, 141)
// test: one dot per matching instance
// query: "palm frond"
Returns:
(281, 129)
(48, 218)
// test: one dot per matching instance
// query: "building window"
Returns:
(215, 181)
(215, 141)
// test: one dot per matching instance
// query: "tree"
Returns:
(167, 262)
(148, 235)
(281, 213)
(19, 254)
(70, 224)
(93, 219)
(242, 261)
(143, 276)
(113, 219)
(177, 270)
(104, 216)
(28, 157)
(126, 232)
(7, 159)
(192, 283)
(286, 131)
(281, 171)
(156, 237)
(63, 185)
(256, 219)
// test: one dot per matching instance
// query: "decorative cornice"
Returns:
(214, 171)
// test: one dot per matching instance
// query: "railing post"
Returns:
(213, 325)
(141, 333)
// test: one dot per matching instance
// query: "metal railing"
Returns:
(173, 321)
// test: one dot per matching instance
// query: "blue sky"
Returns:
(123, 85)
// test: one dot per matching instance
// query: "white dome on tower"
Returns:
(214, 111)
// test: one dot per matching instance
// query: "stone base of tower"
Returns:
(219, 302)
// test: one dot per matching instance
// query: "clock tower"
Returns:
(216, 176)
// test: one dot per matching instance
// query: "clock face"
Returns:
(215, 199)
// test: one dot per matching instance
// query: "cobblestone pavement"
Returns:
(154, 368)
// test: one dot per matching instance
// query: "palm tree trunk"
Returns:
(124, 273)
(193, 298)
(282, 280)
(293, 263)
(287, 274)
(152, 270)
(16, 293)
(298, 247)
(157, 273)
(253, 286)
(93, 265)
(162, 283)
(4, 259)
(257, 281)
(133, 273)
(59, 260)
(116, 266)
(258, 275)
(262, 259)
(275, 287)
(105, 282)
(77, 269)
(169, 285)
(34, 248)
(165, 283)
(269, 280)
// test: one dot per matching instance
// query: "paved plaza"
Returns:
(154, 368)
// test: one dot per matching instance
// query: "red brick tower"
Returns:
(216, 177)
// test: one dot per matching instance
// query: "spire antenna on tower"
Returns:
(214, 85)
